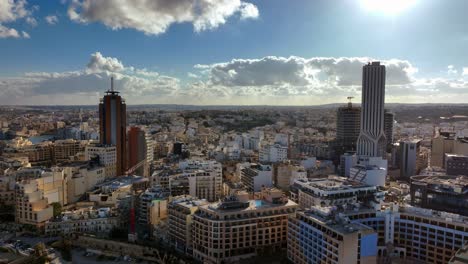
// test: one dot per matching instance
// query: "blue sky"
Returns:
(243, 49)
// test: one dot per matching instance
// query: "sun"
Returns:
(387, 7)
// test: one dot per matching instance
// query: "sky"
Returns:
(230, 52)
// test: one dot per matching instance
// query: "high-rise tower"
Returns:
(113, 125)
(372, 140)
(348, 126)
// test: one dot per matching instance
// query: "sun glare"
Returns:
(387, 7)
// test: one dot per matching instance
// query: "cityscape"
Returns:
(258, 159)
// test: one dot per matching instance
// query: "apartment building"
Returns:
(257, 176)
(286, 173)
(238, 228)
(313, 238)
(87, 220)
(440, 192)
(152, 207)
(107, 156)
(180, 215)
(332, 191)
(31, 206)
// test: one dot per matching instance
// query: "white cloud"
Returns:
(297, 71)
(10, 11)
(248, 10)
(192, 75)
(154, 17)
(451, 70)
(320, 79)
(87, 85)
(31, 21)
(465, 71)
(269, 80)
(25, 34)
(99, 63)
(51, 19)
(8, 32)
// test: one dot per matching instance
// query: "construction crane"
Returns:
(135, 167)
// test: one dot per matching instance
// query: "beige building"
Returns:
(286, 173)
(54, 183)
(444, 143)
(152, 206)
(238, 228)
(81, 178)
(180, 214)
(31, 205)
(65, 150)
(88, 220)
(107, 156)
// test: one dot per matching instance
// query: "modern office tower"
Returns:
(113, 126)
(410, 163)
(180, 213)
(140, 148)
(389, 119)
(456, 164)
(332, 191)
(348, 125)
(445, 193)
(372, 141)
(257, 176)
(312, 240)
(238, 228)
(371, 166)
(106, 156)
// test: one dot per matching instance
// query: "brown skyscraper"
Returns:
(136, 148)
(113, 125)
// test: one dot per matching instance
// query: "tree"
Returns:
(40, 249)
(57, 209)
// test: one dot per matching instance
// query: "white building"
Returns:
(273, 153)
(107, 156)
(257, 176)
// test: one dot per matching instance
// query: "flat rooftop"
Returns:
(332, 183)
(443, 180)
(342, 227)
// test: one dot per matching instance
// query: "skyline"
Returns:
(230, 52)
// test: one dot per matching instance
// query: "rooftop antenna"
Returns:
(350, 104)
(112, 91)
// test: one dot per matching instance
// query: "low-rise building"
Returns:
(445, 193)
(88, 220)
(332, 191)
